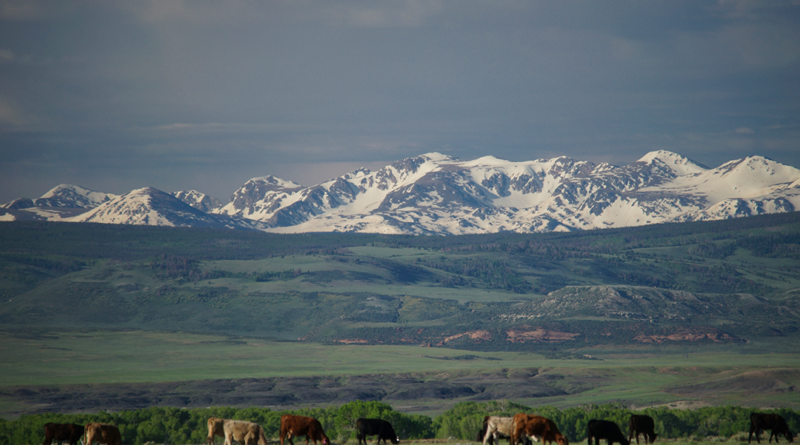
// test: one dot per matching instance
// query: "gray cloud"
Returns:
(200, 94)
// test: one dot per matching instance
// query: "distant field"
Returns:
(128, 357)
(152, 356)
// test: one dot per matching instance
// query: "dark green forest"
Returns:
(188, 426)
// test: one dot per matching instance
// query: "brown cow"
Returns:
(537, 427)
(295, 426)
(642, 424)
(774, 422)
(61, 432)
(243, 432)
(103, 433)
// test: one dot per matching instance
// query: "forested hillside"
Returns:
(717, 283)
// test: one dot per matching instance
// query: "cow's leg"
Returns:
(753, 429)
(490, 435)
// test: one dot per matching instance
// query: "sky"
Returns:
(116, 95)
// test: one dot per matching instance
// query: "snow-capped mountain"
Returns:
(198, 200)
(152, 207)
(67, 195)
(63, 196)
(438, 194)
(62, 201)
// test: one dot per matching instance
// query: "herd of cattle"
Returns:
(520, 428)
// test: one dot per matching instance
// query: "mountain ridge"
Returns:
(436, 194)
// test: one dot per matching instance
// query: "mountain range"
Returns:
(435, 194)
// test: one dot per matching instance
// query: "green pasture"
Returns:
(71, 357)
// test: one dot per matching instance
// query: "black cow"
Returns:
(603, 429)
(373, 427)
(62, 432)
(641, 424)
(774, 422)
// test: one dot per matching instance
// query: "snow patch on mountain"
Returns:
(68, 195)
(198, 200)
(153, 207)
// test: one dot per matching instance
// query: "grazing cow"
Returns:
(496, 428)
(538, 428)
(642, 424)
(372, 427)
(603, 429)
(296, 426)
(774, 422)
(103, 433)
(61, 432)
(243, 432)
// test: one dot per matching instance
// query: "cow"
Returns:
(496, 428)
(536, 427)
(295, 426)
(774, 422)
(103, 433)
(373, 427)
(243, 432)
(603, 429)
(61, 432)
(642, 424)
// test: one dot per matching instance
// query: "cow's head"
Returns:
(396, 440)
(788, 436)
(653, 437)
(562, 440)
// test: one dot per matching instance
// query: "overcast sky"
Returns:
(177, 95)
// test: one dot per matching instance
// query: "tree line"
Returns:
(163, 425)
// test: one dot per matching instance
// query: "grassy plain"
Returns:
(117, 357)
